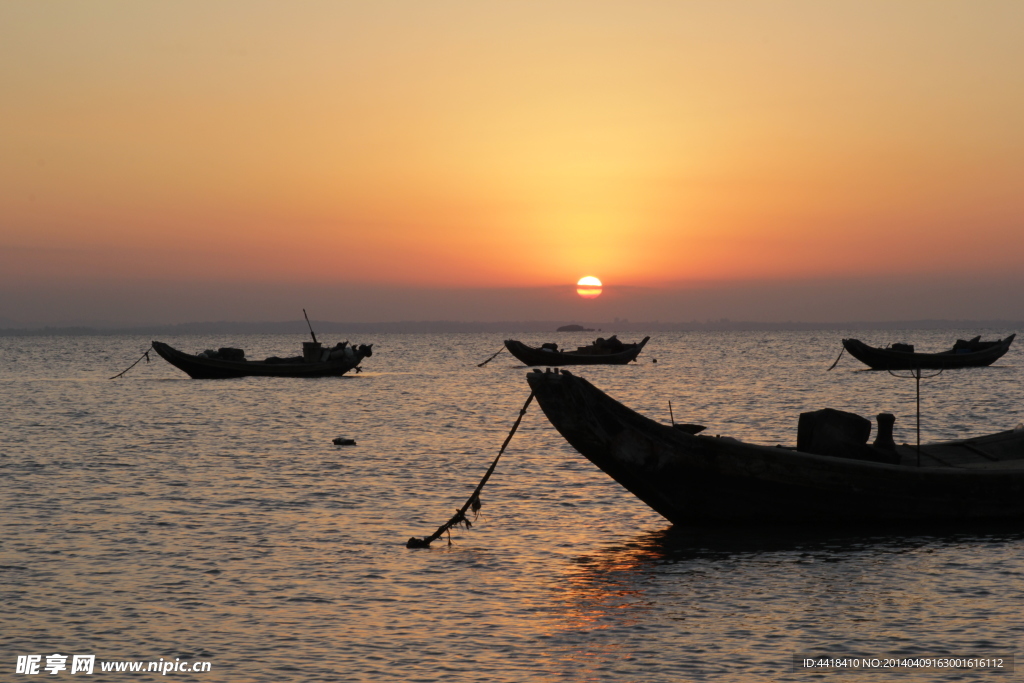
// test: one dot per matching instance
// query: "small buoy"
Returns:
(342, 441)
(654, 360)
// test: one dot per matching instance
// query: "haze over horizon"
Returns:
(825, 302)
(796, 160)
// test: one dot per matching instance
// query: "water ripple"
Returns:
(156, 516)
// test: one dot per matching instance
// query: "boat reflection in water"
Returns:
(692, 594)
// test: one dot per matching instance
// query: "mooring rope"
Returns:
(480, 365)
(474, 500)
(144, 355)
(837, 359)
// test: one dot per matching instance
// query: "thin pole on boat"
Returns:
(670, 415)
(474, 500)
(917, 378)
(310, 326)
(916, 374)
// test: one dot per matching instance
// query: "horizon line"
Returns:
(456, 326)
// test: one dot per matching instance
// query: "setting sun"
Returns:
(589, 287)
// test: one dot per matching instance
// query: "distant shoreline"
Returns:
(442, 326)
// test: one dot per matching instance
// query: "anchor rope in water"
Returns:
(459, 518)
(837, 359)
(121, 374)
(480, 365)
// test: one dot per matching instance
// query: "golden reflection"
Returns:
(605, 588)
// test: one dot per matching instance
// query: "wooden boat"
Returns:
(228, 363)
(602, 352)
(964, 354)
(688, 477)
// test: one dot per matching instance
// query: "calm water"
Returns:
(161, 517)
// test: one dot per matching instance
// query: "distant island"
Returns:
(574, 328)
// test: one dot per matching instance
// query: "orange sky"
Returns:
(525, 144)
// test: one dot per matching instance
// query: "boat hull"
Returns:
(689, 478)
(533, 356)
(212, 368)
(891, 359)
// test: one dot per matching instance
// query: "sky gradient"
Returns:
(459, 152)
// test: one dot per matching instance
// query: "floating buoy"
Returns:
(342, 441)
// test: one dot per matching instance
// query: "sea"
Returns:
(214, 523)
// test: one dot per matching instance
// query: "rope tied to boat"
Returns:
(837, 359)
(144, 355)
(480, 365)
(459, 518)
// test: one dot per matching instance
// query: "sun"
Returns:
(589, 287)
